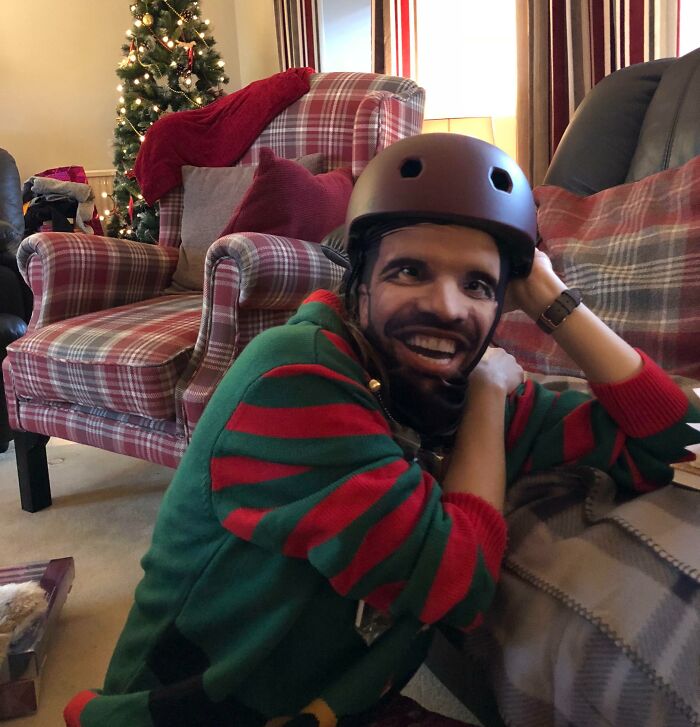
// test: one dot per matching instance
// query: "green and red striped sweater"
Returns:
(293, 503)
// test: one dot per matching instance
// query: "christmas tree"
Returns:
(169, 64)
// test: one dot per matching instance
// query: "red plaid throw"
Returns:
(634, 250)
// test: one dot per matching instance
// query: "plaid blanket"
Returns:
(597, 617)
(633, 251)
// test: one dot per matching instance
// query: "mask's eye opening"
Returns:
(411, 168)
(501, 180)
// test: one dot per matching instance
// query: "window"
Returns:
(345, 35)
(466, 61)
(689, 26)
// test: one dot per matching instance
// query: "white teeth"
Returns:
(431, 343)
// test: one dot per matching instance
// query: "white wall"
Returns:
(58, 80)
(257, 41)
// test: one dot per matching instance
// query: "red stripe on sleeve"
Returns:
(243, 521)
(340, 343)
(234, 470)
(475, 525)
(487, 524)
(74, 708)
(385, 595)
(456, 570)
(344, 505)
(385, 537)
(523, 408)
(638, 480)
(307, 422)
(578, 433)
(618, 446)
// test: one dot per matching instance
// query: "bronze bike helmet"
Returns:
(449, 179)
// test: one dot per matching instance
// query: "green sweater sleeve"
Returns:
(633, 429)
(306, 467)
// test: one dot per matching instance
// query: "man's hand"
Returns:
(498, 369)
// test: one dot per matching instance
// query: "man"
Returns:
(304, 552)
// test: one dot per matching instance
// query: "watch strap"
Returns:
(556, 313)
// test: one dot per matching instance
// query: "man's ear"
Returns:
(363, 305)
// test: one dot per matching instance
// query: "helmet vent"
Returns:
(501, 180)
(411, 168)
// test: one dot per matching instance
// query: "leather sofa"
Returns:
(637, 121)
(15, 296)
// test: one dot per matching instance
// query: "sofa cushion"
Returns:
(633, 251)
(127, 359)
(210, 193)
(286, 199)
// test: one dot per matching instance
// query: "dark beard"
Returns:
(435, 415)
(429, 405)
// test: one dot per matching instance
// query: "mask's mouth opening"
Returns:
(434, 343)
(437, 349)
(431, 354)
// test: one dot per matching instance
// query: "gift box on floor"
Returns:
(19, 698)
(21, 671)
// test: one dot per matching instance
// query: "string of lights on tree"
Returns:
(169, 64)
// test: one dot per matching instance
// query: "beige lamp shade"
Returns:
(480, 127)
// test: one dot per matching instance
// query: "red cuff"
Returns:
(645, 404)
(493, 537)
(74, 708)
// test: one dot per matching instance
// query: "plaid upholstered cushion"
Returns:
(339, 118)
(634, 251)
(127, 359)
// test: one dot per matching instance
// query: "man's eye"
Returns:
(478, 288)
(408, 272)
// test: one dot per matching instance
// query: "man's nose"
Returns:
(445, 300)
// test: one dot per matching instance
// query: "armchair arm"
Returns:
(72, 273)
(252, 282)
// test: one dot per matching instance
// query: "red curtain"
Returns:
(394, 37)
(297, 33)
(565, 47)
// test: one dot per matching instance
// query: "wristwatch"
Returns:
(555, 315)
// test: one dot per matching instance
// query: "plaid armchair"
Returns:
(111, 361)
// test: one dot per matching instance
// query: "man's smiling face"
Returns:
(431, 301)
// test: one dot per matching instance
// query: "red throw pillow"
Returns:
(286, 199)
(633, 251)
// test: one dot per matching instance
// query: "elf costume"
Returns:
(293, 503)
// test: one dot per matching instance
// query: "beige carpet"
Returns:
(103, 513)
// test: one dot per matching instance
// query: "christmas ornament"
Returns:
(147, 19)
(190, 51)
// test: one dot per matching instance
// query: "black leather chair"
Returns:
(15, 295)
(638, 121)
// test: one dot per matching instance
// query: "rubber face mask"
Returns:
(430, 308)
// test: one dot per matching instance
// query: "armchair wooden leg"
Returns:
(33, 471)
